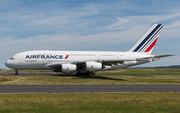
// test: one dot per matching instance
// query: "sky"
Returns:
(88, 25)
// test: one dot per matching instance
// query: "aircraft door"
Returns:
(117, 56)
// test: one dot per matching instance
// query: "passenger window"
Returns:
(12, 58)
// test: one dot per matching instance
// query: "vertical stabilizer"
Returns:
(148, 41)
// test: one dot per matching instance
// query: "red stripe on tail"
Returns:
(151, 46)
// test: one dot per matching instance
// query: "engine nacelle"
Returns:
(94, 66)
(68, 68)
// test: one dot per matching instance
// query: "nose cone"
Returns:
(9, 63)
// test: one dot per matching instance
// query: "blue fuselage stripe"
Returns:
(152, 32)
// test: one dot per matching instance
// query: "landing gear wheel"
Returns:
(78, 74)
(92, 73)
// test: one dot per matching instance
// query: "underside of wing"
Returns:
(109, 63)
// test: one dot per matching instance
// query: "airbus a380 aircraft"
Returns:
(88, 62)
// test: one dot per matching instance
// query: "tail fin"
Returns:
(148, 41)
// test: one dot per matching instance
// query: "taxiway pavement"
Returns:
(87, 88)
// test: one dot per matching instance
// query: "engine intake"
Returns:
(94, 66)
(68, 68)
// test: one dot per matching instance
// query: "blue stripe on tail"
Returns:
(152, 32)
(151, 38)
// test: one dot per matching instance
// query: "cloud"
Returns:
(59, 40)
(54, 25)
(119, 24)
(141, 20)
(175, 24)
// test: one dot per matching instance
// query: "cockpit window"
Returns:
(12, 58)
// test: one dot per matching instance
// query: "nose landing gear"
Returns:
(16, 73)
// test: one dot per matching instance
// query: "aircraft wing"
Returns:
(114, 62)
(110, 62)
(153, 58)
(161, 56)
(105, 62)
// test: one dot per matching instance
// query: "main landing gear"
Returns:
(16, 73)
(90, 73)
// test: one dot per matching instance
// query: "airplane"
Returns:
(89, 62)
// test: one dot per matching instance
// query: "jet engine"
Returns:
(68, 68)
(94, 66)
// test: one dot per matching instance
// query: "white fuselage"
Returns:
(42, 59)
(88, 62)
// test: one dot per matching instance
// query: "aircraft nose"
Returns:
(8, 63)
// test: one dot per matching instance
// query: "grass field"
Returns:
(126, 76)
(120, 71)
(80, 80)
(142, 72)
(91, 103)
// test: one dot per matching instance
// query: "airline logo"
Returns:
(66, 56)
(44, 57)
(150, 40)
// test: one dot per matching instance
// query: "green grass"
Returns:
(114, 71)
(57, 80)
(91, 103)
(142, 72)
(126, 76)
(149, 70)
(137, 73)
(24, 71)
